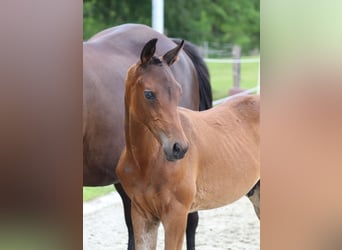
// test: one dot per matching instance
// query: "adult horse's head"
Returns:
(152, 96)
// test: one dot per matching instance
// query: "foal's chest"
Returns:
(151, 200)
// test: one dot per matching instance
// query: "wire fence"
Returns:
(254, 90)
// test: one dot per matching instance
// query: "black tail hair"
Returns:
(206, 96)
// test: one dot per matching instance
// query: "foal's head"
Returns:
(152, 96)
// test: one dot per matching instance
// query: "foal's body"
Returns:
(177, 160)
(224, 146)
(223, 156)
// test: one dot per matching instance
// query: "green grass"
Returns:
(90, 193)
(221, 76)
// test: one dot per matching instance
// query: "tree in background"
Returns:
(233, 21)
(101, 14)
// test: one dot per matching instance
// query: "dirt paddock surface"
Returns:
(233, 227)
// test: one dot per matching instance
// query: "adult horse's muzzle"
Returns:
(176, 151)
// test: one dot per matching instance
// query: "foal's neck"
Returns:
(140, 142)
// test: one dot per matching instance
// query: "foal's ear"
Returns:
(148, 50)
(171, 56)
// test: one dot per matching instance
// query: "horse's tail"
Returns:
(206, 96)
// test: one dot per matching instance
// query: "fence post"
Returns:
(236, 66)
(236, 52)
(206, 49)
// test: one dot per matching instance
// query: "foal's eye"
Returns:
(149, 95)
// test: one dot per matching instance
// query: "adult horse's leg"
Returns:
(191, 230)
(254, 196)
(128, 219)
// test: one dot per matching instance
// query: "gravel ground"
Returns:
(233, 227)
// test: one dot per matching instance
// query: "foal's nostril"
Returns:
(177, 148)
(178, 151)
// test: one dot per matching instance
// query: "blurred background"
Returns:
(218, 24)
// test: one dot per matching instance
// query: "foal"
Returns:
(176, 160)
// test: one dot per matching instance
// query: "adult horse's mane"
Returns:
(206, 98)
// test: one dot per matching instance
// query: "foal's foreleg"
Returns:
(145, 231)
(174, 226)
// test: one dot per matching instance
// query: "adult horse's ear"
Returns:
(171, 56)
(148, 50)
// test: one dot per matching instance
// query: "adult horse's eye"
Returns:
(149, 95)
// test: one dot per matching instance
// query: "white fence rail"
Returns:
(243, 60)
(246, 92)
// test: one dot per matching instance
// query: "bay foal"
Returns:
(176, 160)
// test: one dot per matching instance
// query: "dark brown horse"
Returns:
(106, 59)
(176, 160)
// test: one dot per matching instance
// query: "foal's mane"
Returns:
(153, 61)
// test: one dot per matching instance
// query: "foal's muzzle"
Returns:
(176, 152)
